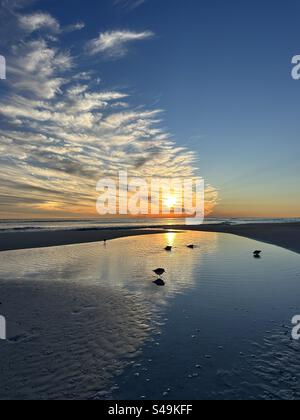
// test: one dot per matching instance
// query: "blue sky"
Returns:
(221, 73)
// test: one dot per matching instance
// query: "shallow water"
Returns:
(86, 321)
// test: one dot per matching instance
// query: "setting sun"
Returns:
(171, 202)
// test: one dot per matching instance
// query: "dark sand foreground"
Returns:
(286, 235)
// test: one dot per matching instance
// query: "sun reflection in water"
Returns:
(170, 238)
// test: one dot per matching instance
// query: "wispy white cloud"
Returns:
(38, 21)
(38, 68)
(15, 4)
(59, 134)
(43, 21)
(75, 27)
(129, 4)
(115, 43)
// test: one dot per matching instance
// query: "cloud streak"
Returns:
(38, 21)
(115, 44)
(129, 4)
(60, 132)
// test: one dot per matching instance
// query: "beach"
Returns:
(149, 220)
(86, 321)
(286, 235)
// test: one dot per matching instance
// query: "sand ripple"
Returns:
(68, 342)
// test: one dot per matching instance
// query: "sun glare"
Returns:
(171, 202)
(170, 238)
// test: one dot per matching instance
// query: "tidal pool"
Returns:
(87, 322)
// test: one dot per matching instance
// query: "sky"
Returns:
(169, 88)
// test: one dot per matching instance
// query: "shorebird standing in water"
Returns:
(159, 272)
(159, 282)
(168, 248)
(257, 254)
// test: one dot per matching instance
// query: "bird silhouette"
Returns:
(191, 246)
(257, 254)
(159, 282)
(168, 248)
(159, 271)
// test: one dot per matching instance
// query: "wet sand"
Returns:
(285, 235)
(86, 322)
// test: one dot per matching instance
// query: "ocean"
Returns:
(80, 224)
